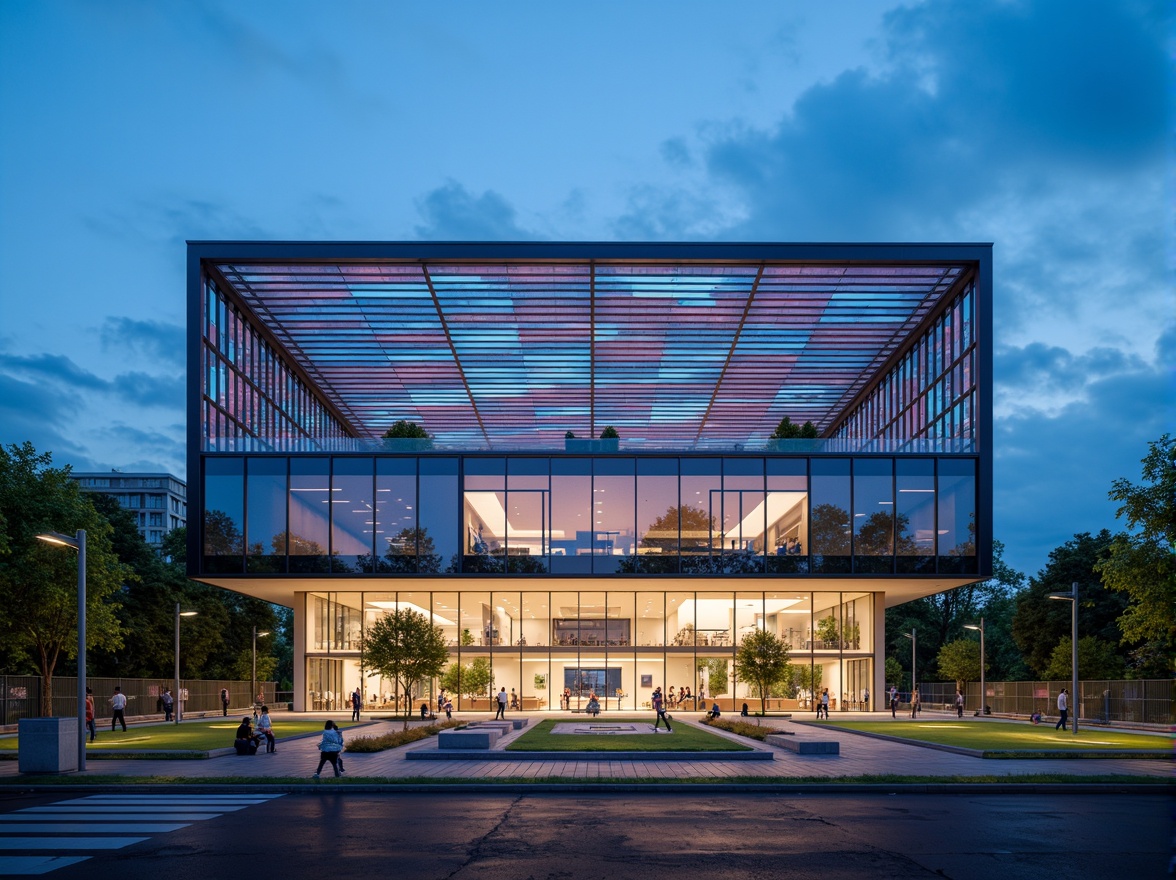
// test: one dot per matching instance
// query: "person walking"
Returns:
(118, 705)
(894, 701)
(330, 746)
(659, 706)
(224, 697)
(500, 712)
(1063, 709)
(168, 703)
(90, 726)
(866, 700)
(265, 727)
(959, 703)
(915, 702)
(823, 706)
(448, 709)
(356, 704)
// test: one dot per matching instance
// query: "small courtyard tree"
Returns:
(960, 660)
(762, 660)
(405, 647)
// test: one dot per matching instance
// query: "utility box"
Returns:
(48, 745)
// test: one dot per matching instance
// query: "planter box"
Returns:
(48, 745)
(575, 444)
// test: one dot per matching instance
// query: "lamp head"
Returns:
(265, 633)
(59, 539)
(972, 626)
(189, 613)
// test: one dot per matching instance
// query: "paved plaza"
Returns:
(859, 756)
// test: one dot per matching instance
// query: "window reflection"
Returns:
(829, 530)
(915, 515)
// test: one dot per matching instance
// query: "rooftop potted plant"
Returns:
(407, 436)
(610, 440)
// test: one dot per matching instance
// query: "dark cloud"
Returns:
(977, 98)
(46, 417)
(154, 450)
(1052, 368)
(53, 368)
(1053, 470)
(146, 390)
(158, 340)
(676, 152)
(452, 212)
(56, 375)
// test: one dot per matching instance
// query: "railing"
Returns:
(21, 696)
(1142, 701)
(540, 446)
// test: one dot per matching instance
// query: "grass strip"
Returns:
(366, 744)
(1000, 736)
(685, 738)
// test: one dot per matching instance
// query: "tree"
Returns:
(1141, 564)
(1097, 659)
(829, 531)
(715, 670)
(38, 582)
(402, 429)
(405, 647)
(762, 660)
(893, 671)
(1038, 624)
(610, 433)
(960, 661)
(788, 430)
(694, 524)
(474, 679)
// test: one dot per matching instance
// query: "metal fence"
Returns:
(1146, 701)
(21, 696)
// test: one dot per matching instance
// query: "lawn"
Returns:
(685, 738)
(999, 736)
(193, 735)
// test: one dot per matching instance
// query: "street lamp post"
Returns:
(178, 702)
(253, 681)
(983, 690)
(914, 637)
(1072, 598)
(78, 542)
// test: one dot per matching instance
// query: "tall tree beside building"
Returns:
(1040, 624)
(38, 581)
(762, 660)
(1141, 563)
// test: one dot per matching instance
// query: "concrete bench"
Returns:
(503, 727)
(803, 746)
(482, 738)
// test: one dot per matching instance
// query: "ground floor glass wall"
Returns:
(552, 650)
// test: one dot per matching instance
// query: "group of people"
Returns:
(248, 739)
(684, 696)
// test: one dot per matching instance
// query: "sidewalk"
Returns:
(860, 756)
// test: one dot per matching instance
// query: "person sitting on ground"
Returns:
(714, 711)
(593, 707)
(743, 711)
(1035, 718)
(247, 741)
(424, 711)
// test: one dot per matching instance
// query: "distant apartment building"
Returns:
(158, 501)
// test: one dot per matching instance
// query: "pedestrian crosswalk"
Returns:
(37, 840)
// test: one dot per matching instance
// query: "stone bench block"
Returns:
(804, 746)
(48, 745)
(501, 726)
(479, 738)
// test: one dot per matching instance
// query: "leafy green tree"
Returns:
(610, 433)
(716, 674)
(38, 582)
(788, 430)
(1039, 624)
(762, 660)
(474, 679)
(894, 671)
(941, 618)
(829, 531)
(402, 429)
(1097, 659)
(405, 647)
(960, 661)
(696, 527)
(1141, 564)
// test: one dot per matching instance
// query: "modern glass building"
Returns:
(572, 563)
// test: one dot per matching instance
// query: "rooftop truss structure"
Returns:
(512, 345)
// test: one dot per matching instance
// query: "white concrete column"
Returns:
(300, 652)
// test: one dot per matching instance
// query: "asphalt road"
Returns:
(616, 836)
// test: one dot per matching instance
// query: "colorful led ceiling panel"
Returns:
(511, 355)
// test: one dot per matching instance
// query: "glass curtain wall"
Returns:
(554, 650)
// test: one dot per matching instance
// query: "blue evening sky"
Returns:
(129, 126)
